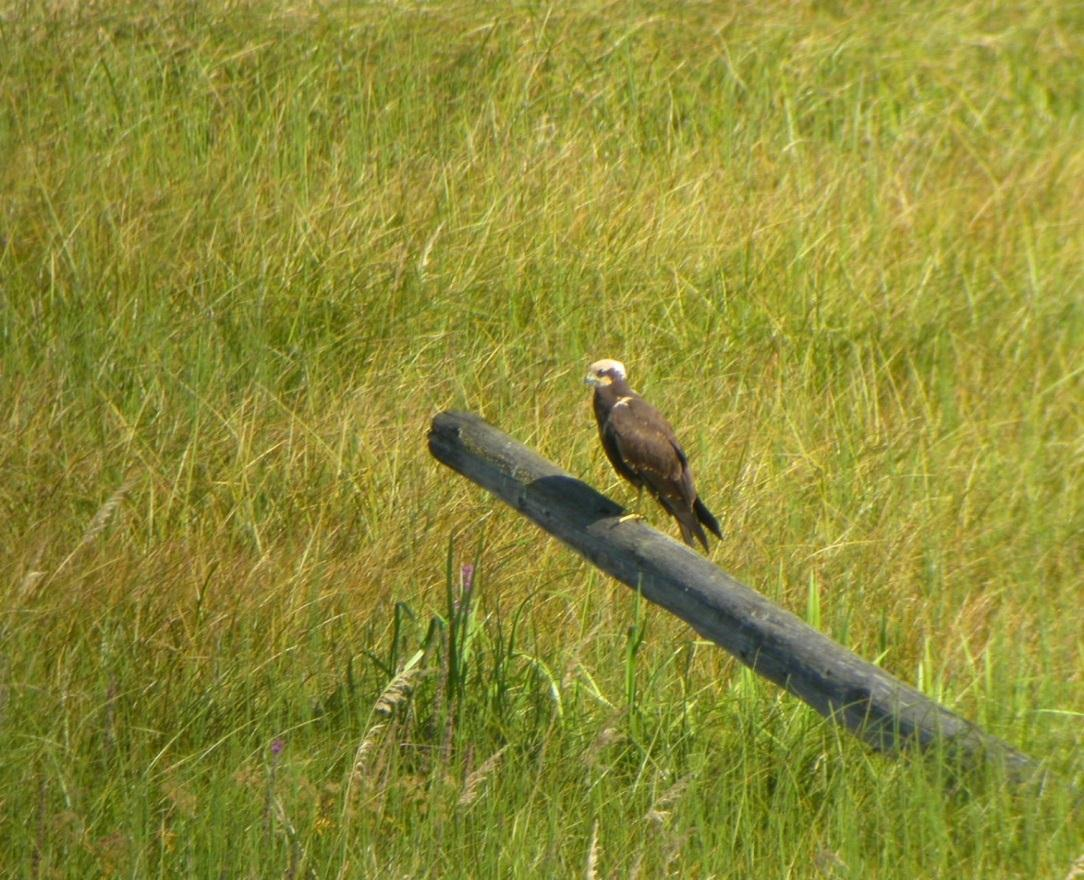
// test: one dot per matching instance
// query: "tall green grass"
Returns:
(248, 250)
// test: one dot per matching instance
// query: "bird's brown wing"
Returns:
(646, 447)
(640, 442)
(608, 435)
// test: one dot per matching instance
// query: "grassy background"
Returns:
(247, 250)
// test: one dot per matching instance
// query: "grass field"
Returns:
(248, 250)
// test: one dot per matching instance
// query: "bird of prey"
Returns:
(641, 446)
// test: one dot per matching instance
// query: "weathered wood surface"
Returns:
(868, 701)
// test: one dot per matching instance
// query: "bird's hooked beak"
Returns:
(604, 372)
(597, 378)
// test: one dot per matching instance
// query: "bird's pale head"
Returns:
(604, 372)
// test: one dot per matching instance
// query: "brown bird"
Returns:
(641, 446)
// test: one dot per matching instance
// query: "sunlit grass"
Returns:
(247, 251)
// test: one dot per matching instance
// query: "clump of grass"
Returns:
(394, 697)
(473, 784)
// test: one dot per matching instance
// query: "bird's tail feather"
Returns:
(707, 518)
(689, 520)
(690, 528)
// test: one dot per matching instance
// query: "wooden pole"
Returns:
(868, 701)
